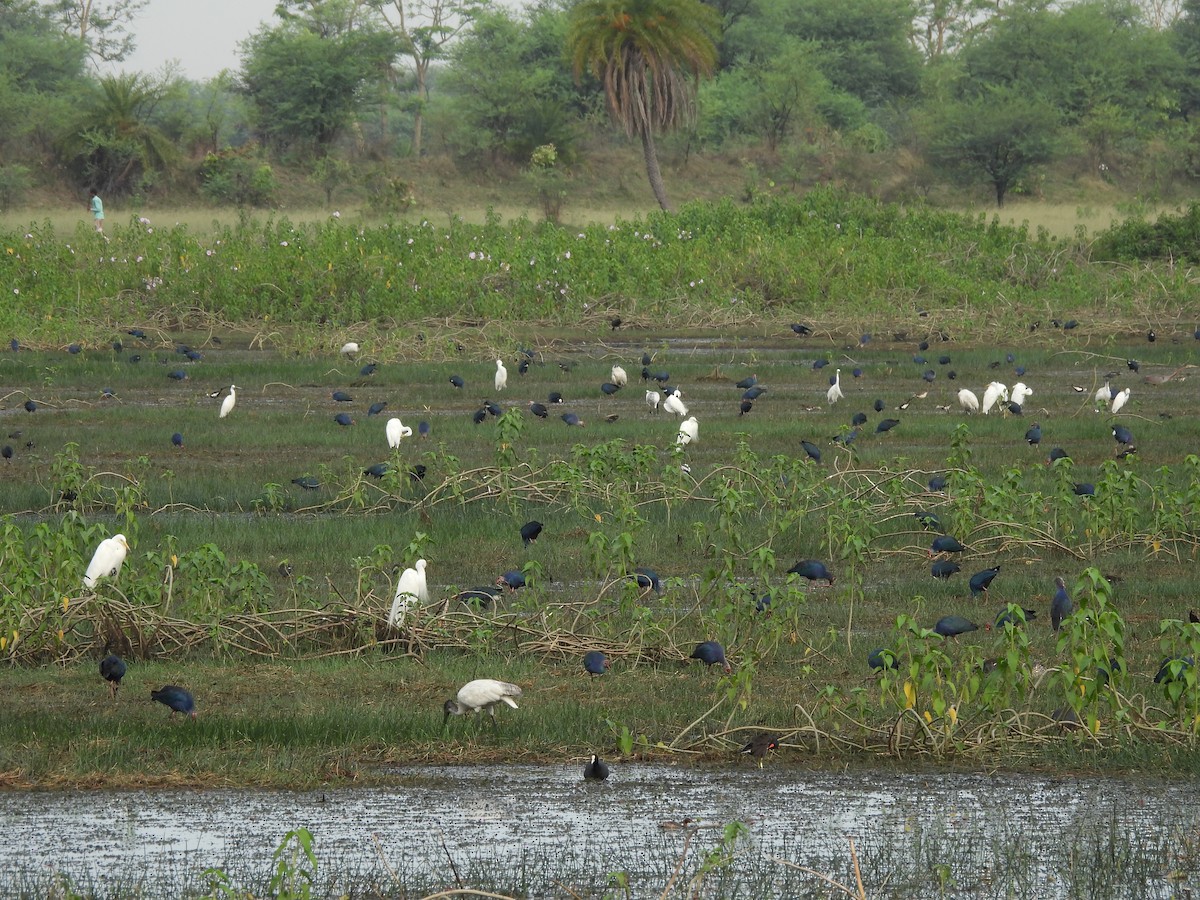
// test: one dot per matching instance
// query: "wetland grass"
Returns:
(612, 496)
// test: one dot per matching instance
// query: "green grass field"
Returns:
(325, 691)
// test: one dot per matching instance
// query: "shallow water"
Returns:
(532, 829)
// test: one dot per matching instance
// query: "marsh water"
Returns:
(540, 831)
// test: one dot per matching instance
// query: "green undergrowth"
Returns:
(708, 264)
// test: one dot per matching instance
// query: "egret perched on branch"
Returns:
(480, 694)
(411, 586)
(396, 430)
(501, 375)
(229, 402)
(106, 561)
(689, 430)
(674, 404)
(834, 394)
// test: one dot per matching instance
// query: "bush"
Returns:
(14, 182)
(237, 177)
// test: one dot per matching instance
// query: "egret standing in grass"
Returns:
(618, 376)
(350, 348)
(229, 402)
(1119, 401)
(106, 561)
(834, 394)
(968, 401)
(1019, 392)
(689, 431)
(674, 404)
(412, 585)
(480, 694)
(396, 431)
(501, 375)
(652, 400)
(993, 392)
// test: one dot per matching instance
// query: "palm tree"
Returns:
(116, 143)
(649, 56)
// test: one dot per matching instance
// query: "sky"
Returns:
(202, 37)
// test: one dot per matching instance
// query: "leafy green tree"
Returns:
(1090, 55)
(649, 56)
(766, 97)
(425, 29)
(103, 27)
(507, 90)
(306, 87)
(40, 71)
(863, 46)
(1001, 133)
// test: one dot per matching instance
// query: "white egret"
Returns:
(481, 694)
(834, 394)
(411, 586)
(349, 348)
(396, 430)
(993, 392)
(1103, 396)
(229, 402)
(1120, 400)
(618, 376)
(968, 401)
(1020, 391)
(501, 375)
(652, 400)
(106, 561)
(689, 430)
(674, 404)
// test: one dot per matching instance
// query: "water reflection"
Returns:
(530, 830)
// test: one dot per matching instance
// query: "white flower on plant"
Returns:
(567, 255)
(336, 214)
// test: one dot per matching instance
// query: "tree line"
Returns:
(888, 96)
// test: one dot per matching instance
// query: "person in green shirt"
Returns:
(97, 206)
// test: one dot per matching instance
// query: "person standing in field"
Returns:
(97, 206)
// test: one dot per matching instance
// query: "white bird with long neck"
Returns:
(652, 400)
(1103, 396)
(501, 375)
(411, 586)
(689, 430)
(968, 401)
(834, 394)
(1120, 400)
(993, 392)
(1020, 391)
(481, 694)
(229, 402)
(106, 561)
(396, 431)
(674, 404)
(618, 376)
